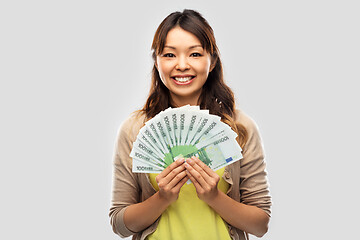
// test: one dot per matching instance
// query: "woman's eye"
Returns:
(169, 55)
(196, 54)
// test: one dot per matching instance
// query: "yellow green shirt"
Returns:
(189, 217)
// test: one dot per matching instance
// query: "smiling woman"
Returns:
(183, 66)
(225, 204)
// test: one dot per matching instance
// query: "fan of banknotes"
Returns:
(182, 133)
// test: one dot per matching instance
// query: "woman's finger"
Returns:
(195, 173)
(171, 167)
(193, 180)
(173, 173)
(177, 179)
(181, 183)
(199, 168)
(205, 167)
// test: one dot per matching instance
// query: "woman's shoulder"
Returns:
(135, 119)
(131, 125)
(245, 120)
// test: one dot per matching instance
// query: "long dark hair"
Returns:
(215, 96)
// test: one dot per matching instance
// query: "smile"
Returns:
(183, 80)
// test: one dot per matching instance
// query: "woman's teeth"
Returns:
(183, 79)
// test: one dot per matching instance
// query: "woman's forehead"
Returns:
(179, 38)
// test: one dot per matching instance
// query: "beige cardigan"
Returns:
(247, 177)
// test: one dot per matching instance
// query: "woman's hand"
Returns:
(204, 179)
(171, 179)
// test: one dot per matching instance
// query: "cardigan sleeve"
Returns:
(125, 188)
(254, 186)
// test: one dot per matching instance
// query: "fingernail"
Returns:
(186, 165)
(180, 160)
(188, 160)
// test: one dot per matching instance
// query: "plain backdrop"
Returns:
(72, 71)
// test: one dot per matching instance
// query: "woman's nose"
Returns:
(182, 64)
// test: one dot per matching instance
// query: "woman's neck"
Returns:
(179, 101)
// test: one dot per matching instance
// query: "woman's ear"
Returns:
(214, 60)
(155, 64)
(213, 63)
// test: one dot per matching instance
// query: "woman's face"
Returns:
(183, 66)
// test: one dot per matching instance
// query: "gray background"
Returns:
(72, 71)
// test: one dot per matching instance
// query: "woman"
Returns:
(226, 204)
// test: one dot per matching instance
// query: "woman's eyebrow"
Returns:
(194, 46)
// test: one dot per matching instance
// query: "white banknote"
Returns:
(184, 132)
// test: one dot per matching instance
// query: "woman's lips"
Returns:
(183, 80)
